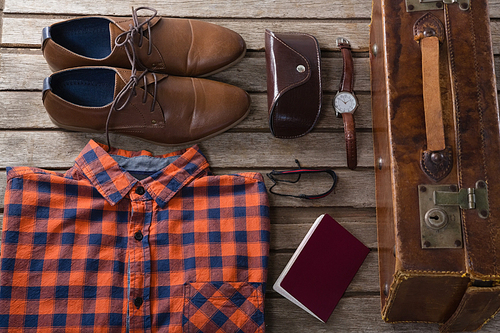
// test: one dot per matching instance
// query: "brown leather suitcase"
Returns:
(437, 160)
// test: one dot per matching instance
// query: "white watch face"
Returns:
(345, 102)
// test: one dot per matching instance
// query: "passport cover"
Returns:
(321, 268)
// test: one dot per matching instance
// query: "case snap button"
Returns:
(301, 68)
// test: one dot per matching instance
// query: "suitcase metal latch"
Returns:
(425, 5)
(440, 218)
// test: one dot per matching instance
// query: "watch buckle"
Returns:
(342, 41)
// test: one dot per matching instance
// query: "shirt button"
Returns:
(140, 190)
(138, 301)
(138, 236)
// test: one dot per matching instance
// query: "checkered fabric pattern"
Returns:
(115, 245)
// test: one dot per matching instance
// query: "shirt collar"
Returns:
(114, 183)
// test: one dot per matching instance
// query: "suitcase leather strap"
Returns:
(437, 158)
(432, 93)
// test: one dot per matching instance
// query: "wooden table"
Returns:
(27, 136)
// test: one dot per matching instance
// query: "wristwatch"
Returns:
(345, 102)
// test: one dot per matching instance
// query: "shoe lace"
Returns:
(126, 39)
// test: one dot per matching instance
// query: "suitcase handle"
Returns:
(437, 158)
(434, 127)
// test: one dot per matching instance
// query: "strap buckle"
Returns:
(342, 41)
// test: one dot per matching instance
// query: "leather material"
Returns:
(469, 315)
(181, 47)
(350, 140)
(428, 285)
(437, 164)
(347, 78)
(294, 90)
(347, 84)
(434, 130)
(186, 110)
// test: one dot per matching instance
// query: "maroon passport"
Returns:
(321, 268)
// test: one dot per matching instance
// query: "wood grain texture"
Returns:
(276, 9)
(28, 137)
(20, 31)
(200, 8)
(26, 31)
(249, 74)
(230, 149)
(24, 109)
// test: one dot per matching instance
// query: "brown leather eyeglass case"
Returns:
(293, 62)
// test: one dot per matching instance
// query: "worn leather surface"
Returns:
(347, 84)
(470, 120)
(350, 140)
(187, 109)
(470, 312)
(432, 94)
(181, 47)
(478, 127)
(293, 95)
(347, 79)
(437, 164)
(406, 300)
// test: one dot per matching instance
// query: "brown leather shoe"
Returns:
(166, 45)
(171, 110)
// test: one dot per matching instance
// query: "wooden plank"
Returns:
(212, 9)
(24, 109)
(352, 314)
(200, 8)
(227, 150)
(289, 236)
(249, 74)
(21, 31)
(355, 189)
(307, 215)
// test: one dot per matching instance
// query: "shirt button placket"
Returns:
(139, 259)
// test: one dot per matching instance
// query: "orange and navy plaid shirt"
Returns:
(130, 242)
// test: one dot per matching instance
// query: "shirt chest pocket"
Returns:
(223, 307)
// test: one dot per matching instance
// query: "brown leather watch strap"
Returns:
(350, 140)
(347, 84)
(347, 79)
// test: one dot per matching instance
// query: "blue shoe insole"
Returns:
(88, 37)
(90, 87)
